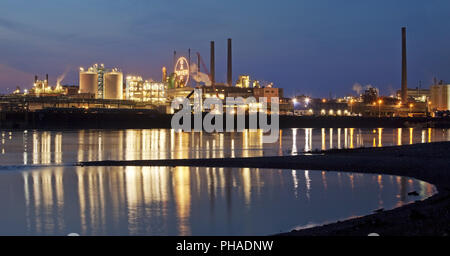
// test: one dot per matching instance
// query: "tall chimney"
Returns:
(212, 65)
(404, 74)
(198, 66)
(174, 60)
(35, 78)
(229, 67)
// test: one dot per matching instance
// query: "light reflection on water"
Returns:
(184, 201)
(189, 200)
(46, 147)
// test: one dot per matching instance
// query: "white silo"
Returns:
(89, 82)
(113, 85)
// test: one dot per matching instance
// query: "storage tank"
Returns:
(113, 85)
(88, 82)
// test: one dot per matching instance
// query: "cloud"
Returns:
(33, 31)
(10, 78)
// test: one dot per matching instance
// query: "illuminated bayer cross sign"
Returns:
(182, 72)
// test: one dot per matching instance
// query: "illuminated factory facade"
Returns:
(138, 89)
(100, 83)
(102, 87)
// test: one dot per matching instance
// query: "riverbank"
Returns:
(67, 118)
(428, 162)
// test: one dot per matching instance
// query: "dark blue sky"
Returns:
(312, 47)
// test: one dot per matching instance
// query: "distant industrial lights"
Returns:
(307, 100)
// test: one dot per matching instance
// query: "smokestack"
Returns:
(198, 67)
(174, 60)
(164, 74)
(35, 78)
(212, 65)
(404, 74)
(229, 69)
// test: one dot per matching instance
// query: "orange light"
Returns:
(380, 101)
(324, 100)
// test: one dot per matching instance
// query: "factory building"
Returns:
(440, 97)
(138, 89)
(113, 85)
(416, 95)
(92, 82)
(243, 81)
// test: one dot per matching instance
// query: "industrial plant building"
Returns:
(100, 83)
(440, 97)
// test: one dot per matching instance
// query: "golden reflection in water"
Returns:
(295, 182)
(308, 184)
(351, 137)
(399, 136)
(58, 148)
(294, 141)
(331, 137)
(114, 199)
(80, 154)
(308, 138)
(245, 143)
(339, 137)
(345, 138)
(324, 180)
(429, 135)
(280, 138)
(380, 136)
(36, 147)
(182, 196)
(323, 133)
(247, 185)
(232, 149)
(25, 147)
(46, 141)
(410, 135)
(172, 143)
(380, 190)
(423, 136)
(133, 184)
(46, 198)
(352, 181)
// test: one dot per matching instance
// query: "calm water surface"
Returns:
(57, 199)
(189, 201)
(46, 147)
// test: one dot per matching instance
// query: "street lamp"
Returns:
(410, 108)
(379, 106)
(351, 106)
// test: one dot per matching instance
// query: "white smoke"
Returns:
(199, 76)
(368, 86)
(357, 88)
(61, 77)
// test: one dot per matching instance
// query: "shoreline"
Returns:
(427, 162)
(61, 119)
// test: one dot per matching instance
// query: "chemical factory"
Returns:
(408, 102)
(107, 88)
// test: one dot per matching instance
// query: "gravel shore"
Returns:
(428, 162)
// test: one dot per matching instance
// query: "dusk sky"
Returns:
(307, 47)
